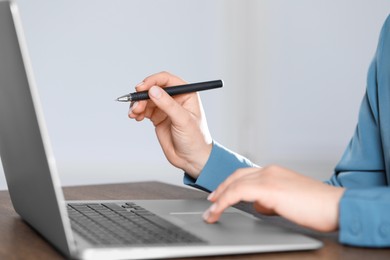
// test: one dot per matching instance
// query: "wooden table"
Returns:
(19, 241)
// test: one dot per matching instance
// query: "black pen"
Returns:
(174, 90)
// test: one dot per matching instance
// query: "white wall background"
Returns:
(294, 74)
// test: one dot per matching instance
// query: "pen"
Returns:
(174, 90)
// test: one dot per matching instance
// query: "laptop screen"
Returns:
(24, 149)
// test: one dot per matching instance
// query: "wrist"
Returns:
(337, 195)
(195, 167)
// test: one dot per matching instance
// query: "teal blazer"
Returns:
(364, 169)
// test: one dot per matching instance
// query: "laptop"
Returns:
(139, 229)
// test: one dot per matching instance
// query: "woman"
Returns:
(355, 201)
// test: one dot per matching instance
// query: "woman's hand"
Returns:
(276, 190)
(180, 122)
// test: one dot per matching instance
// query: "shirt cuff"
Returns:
(221, 163)
(365, 217)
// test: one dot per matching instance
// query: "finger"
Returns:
(156, 116)
(133, 105)
(138, 107)
(149, 111)
(213, 214)
(249, 188)
(140, 117)
(161, 79)
(178, 115)
(232, 178)
(144, 114)
(236, 192)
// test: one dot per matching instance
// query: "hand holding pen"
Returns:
(180, 122)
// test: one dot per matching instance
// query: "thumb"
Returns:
(168, 105)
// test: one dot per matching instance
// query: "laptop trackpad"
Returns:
(228, 226)
(232, 228)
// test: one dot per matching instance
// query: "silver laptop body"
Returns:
(36, 193)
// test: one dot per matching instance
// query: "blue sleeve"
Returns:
(364, 169)
(221, 163)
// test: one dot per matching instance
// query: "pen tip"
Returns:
(123, 99)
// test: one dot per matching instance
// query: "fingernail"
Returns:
(211, 195)
(139, 85)
(208, 212)
(155, 92)
(206, 215)
(133, 105)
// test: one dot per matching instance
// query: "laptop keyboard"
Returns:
(128, 224)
